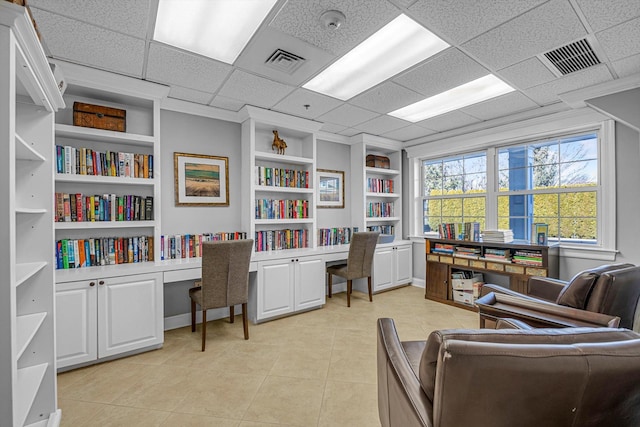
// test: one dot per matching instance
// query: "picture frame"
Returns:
(540, 234)
(330, 188)
(201, 180)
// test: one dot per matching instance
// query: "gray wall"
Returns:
(333, 156)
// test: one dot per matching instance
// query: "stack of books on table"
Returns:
(531, 258)
(497, 236)
(467, 252)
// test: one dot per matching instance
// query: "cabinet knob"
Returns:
(101, 282)
(92, 283)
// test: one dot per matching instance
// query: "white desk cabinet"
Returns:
(392, 266)
(104, 317)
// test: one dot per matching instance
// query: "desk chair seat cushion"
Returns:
(339, 270)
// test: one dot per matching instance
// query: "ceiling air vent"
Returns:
(284, 61)
(575, 56)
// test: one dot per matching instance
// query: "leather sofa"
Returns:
(509, 377)
(612, 290)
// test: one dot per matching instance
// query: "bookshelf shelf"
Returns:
(29, 381)
(96, 225)
(381, 171)
(30, 211)
(104, 136)
(24, 271)
(26, 328)
(382, 195)
(24, 151)
(111, 180)
(284, 159)
(383, 219)
(290, 190)
(284, 221)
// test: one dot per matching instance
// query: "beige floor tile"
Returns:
(291, 401)
(347, 365)
(122, 416)
(349, 405)
(246, 357)
(191, 420)
(302, 363)
(77, 413)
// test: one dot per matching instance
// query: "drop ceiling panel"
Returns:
(501, 106)
(349, 132)
(301, 19)
(348, 115)
(227, 103)
(601, 18)
(461, 20)
(382, 124)
(627, 66)
(447, 121)
(408, 133)
(332, 128)
(528, 73)
(175, 67)
(386, 97)
(547, 93)
(622, 40)
(449, 69)
(124, 16)
(190, 95)
(546, 27)
(90, 45)
(295, 103)
(254, 90)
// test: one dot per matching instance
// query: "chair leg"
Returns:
(193, 316)
(231, 313)
(204, 328)
(330, 283)
(370, 294)
(245, 321)
(348, 293)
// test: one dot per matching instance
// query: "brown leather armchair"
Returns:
(509, 377)
(611, 290)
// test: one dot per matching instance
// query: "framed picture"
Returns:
(540, 234)
(330, 188)
(201, 180)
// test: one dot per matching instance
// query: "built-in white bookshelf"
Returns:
(29, 98)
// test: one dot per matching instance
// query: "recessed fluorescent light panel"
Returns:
(484, 88)
(217, 29)
(397, 46)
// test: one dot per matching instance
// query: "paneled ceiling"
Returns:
(503, 37)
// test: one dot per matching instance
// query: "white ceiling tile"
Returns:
(601, 16)
(172, 66)
(622, 40)
(382, 124)
(386, 97)
(544, 28)
(526, 74)
(408, 133)
(301, 19)
(332, 128)
(500, 106)
(460, 20)
(190, 95)
(349, 132)
(295, 103)
(452, 120)
(403, 3)
(449, 69)
(90, 45)
(547, 93)
(227, 103)
(124, 16)
(254, 90)
(627, 66)
(348, 115)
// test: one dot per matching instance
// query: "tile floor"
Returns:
(313, 369)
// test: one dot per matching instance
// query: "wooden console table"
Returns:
(439, 266)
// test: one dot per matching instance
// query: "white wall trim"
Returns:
(588, 253)
(182, 320)
(577, 98)
(186, 107)
(418, 283)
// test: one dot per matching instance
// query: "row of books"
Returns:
(379, 209)
(182, 246)
(271, 240)
(497, 236)
(382, 229)
(281, 209)
(443, 248)
(467, 252)
(334, 236)
(460, 231)
(377, 185)
(86, 161)
(278, 177)
(530, 258)
(497, 254)
(78, 253)
(78, 207)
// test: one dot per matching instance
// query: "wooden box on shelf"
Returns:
(374, 161)
(99, 117)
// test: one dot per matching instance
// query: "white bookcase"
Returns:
(29, 98)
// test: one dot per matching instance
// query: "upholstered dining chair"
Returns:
(225, 281)
(359, 263)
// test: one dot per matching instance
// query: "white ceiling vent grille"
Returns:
(284, 61)
(573, 57)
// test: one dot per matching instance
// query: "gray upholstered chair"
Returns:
(359, 263)
(225, 281)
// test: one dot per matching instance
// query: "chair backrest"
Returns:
(225, 272)
(617, 293)
(572, 376)
(361, 250)
(579, 289)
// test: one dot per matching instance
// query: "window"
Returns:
(553, 181)
(454, 190)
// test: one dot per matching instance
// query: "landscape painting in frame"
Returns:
(201, 180)
(330, 189)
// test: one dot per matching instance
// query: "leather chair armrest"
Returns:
(512, 324)
(540, 314)
(490, 287)
(545, 288)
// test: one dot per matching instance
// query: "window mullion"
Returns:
(491, 215)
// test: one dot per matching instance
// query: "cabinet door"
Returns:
(130, 313)
(275, 288)
(403, 265)
(437, 278)
(383, 261)
(309, 283)
(76, 323)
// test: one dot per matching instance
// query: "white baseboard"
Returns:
(418, 283)
(182, 320)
